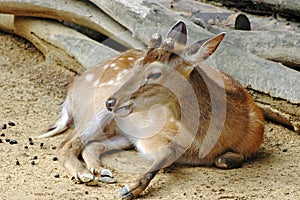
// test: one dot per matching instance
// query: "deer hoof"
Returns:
(105, 172)
(93, 182)
(107, 179)
(124, 193)
(86, 177)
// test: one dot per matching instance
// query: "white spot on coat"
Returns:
(95, 84)
(105, 66)
(89, 77)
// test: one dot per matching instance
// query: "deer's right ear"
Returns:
(155, 41)
(178, 33)
(201, 50)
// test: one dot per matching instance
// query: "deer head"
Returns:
(163, 66)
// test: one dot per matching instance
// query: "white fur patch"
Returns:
(172, 119)
(143, 151)
(89, 77)
(121, 74)
(95, 127)
(111, 82)
(113, 65)
(96, 83)
(105, 66)
(130, 58)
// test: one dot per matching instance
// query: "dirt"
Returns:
(31, 93)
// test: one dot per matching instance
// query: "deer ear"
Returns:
(178, 33)
(201, 50)
(155, 41)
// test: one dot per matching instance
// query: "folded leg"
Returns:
(92, 152)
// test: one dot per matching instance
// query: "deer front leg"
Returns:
(92, 152)
(163, 158)
(68, 154)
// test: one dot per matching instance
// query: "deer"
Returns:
(198, 115)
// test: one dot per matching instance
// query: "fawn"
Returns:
(199, 115)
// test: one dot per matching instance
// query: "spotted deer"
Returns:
(198, 115)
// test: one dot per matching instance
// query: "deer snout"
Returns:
(110, 103)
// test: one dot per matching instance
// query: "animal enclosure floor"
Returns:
(31, 93)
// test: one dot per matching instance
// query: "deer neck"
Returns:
(174, 108)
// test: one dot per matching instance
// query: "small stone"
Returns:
(13, 142)
(41, 145)
(86, 192)
(11, 123)
(35, 158)
(54, 158)
(32, 162)
(56, 175)
(2, 135)
(284, 150)
(54, 147)
(31, 143)
(17, 162)
(30, 139)
(7, 140)
(0, 141)
(4, 126)
(26, 147)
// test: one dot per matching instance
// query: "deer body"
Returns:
(192, 114)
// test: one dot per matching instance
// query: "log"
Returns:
(278, 110)
(58, 43)
(285, 7)
(189, 7)
(79, 12)
(265, 76)
(278, 46)
(288, 8)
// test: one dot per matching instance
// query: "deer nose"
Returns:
(110, 103)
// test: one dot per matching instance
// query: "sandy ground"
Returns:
(31, 93)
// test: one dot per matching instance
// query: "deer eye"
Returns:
(154, 76)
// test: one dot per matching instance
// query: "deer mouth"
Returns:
(124, 110)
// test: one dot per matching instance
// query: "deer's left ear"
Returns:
(201, 50)
(178, 33)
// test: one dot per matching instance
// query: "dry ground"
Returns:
(31, 92)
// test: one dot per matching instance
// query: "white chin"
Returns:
(123, 112)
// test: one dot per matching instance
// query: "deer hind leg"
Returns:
(68, 154)
(92, 152)
(164, 158)
(229, 160)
